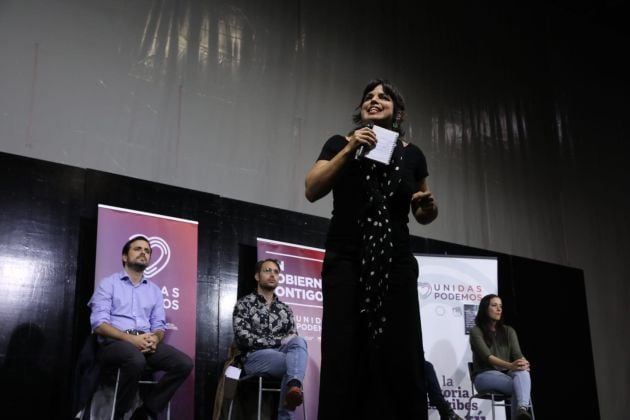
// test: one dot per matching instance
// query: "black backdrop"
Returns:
(47, 251)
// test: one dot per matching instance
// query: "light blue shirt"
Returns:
(120, 303)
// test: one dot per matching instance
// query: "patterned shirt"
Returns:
(258, 325)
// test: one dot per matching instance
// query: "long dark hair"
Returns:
(483, 321)
(397, 98)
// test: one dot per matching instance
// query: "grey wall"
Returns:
(520, 112)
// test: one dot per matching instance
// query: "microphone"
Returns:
(358, 154)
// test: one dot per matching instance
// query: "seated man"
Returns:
(128, 315)
(264, 330)
(434, 393)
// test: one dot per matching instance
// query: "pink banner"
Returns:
(301, 288)
(173, 267)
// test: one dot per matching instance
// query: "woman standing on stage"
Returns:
(372, 356)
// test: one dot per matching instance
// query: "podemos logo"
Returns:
(424, 289)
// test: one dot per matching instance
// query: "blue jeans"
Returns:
(517, 383)
(287, 362)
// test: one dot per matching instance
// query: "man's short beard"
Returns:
(137, 267)
(267, 288)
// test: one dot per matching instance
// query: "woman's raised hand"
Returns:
(362, 136)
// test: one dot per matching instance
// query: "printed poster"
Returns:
(173, 267)
(300, 287)
(449, 289)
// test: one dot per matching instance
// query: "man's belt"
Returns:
(134, 332)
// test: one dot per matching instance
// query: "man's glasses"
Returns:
(270, 270)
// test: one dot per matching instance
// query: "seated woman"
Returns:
(498, 364)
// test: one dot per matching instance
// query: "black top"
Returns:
(349, 199)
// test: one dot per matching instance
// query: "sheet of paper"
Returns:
(233, 372)
(386, 141)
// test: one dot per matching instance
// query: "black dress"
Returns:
(361, 378)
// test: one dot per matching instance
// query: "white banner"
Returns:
(173, 269)
(450, 289)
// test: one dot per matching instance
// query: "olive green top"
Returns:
(509, 351)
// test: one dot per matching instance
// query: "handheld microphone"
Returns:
(358, 154)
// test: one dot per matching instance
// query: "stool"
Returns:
(147, 372)
(265, 384)
(496, 398)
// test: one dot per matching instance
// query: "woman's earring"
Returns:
(396, 122)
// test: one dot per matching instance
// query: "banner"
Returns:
(173, 267)
(450, 289)
(301, 288)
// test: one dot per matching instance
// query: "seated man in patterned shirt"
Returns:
(264, 330)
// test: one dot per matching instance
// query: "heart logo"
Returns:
(424, 289)
(159, 259)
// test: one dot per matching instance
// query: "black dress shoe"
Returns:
(447, 413)
(451, 415)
